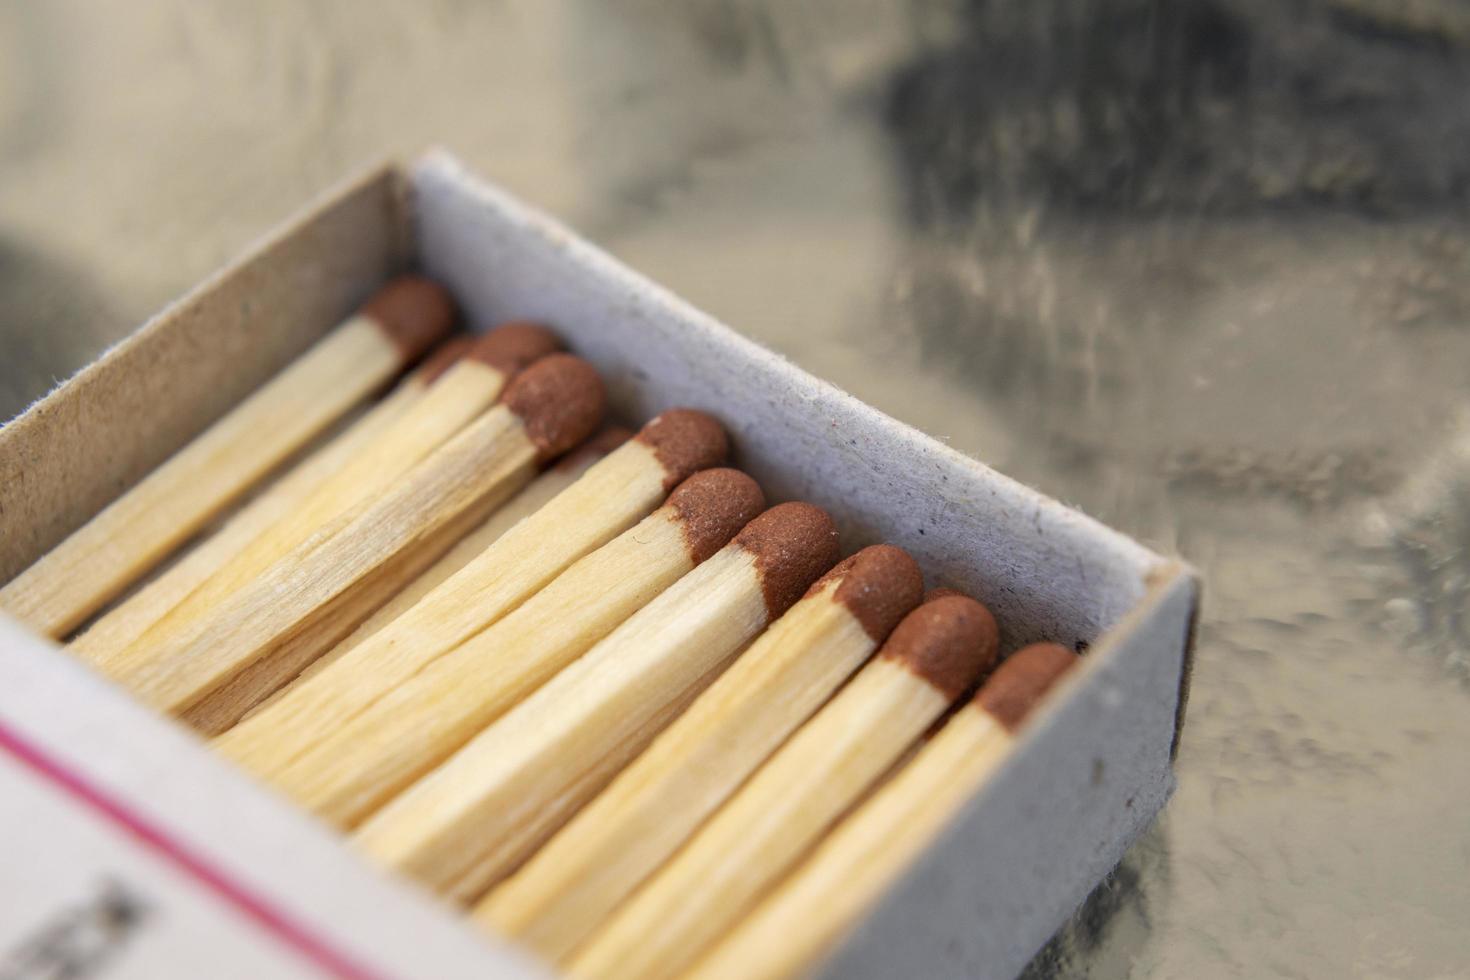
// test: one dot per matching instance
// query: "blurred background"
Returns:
(1200, 267)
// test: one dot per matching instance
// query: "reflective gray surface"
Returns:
(1201, 268)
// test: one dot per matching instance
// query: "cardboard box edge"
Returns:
(104, 396)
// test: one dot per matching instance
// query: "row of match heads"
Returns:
(562, 401)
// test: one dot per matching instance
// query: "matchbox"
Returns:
(124, 841)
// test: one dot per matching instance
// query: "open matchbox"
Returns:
(122, 835)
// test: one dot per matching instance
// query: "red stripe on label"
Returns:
(261, 912)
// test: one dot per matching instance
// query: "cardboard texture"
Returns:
(78, 449)
(1090, 773)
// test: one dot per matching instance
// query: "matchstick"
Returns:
(579, 877)
(537, 494)
(831, 890)
(461, 392)
(290, 500)
(264, 634)
(119, 626)
(932, 656)
(420, 723)
(169, 505)
(610, 498)
(469, 822)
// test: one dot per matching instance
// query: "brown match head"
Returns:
(413, 312)
(512, 347)
(442, 358)
(608, 438)
(560, 400)
(878, 585)
(711, 506)
(1020, 683)
(939, 592)
(793, 545)
(949, 642)
(685, 441)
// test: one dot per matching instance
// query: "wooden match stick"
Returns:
(933, 655)
(473, 819)
(420, 723)
(264, 634)
(466, 388)
(119, 626)
(610, 498)
(537, 494)
(579, 877)
(454, 385)
(829, 892)
(143, 526)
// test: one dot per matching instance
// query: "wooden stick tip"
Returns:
(685, 441)
(711, 506)
(560, 399)
(512, 347)
(949, 642)
(879, 585)
(604, 441)
(1022, 680)
(793, 545)
(413, 312)
(442, 358)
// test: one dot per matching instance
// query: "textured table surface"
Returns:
(1201, 268)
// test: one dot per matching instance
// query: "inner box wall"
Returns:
(89, 440)
(1046, 571)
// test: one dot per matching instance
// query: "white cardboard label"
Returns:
(127, 850)
(89, 888)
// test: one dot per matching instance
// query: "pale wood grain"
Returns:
(295, 610)
(473, 819)
(532, 498)
(613, 495)
(143, 526)
(829, 892)
(464, 391)
(763, 829)
(417, 725)
(120, 626)
(580, 876)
